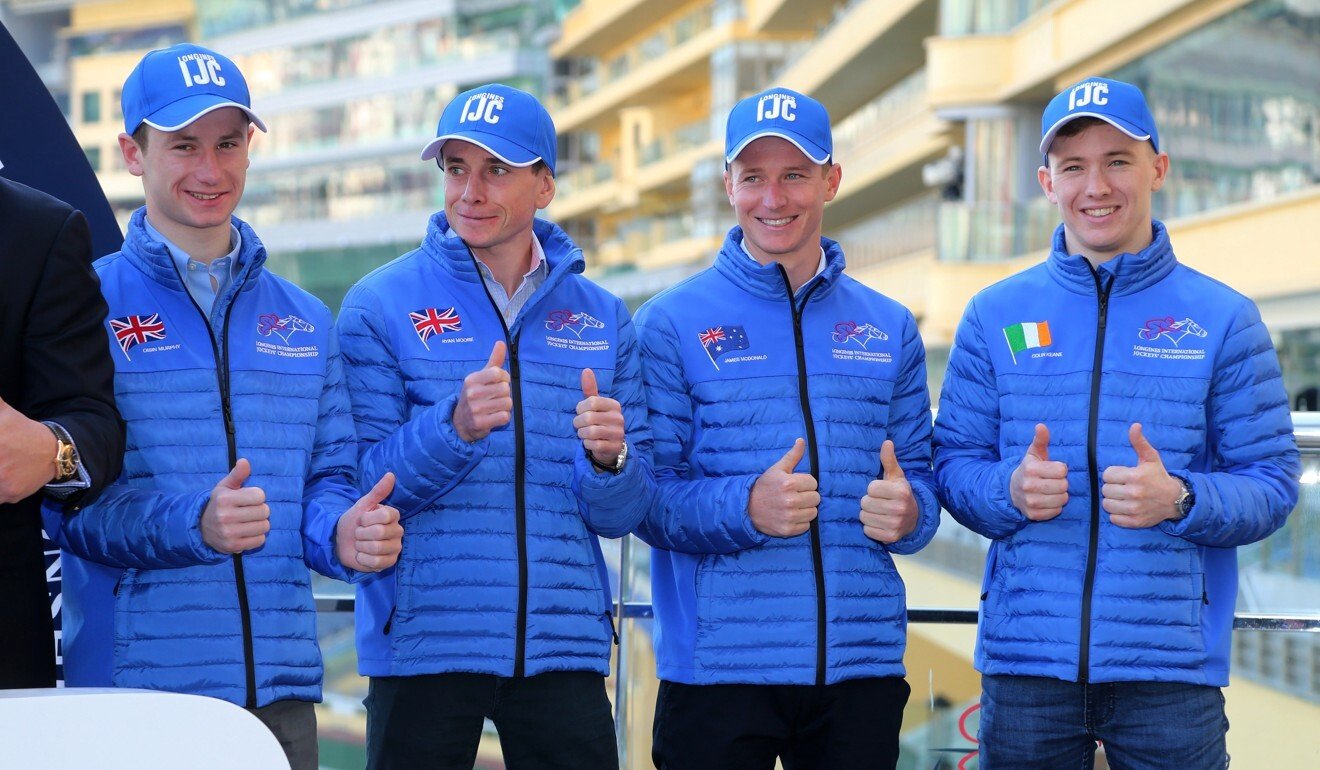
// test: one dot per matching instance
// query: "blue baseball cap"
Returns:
(510, 124)
(172, 87)
(1121, 105)
(783, 113)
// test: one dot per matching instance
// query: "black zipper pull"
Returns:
(614, 634)
(390, 620)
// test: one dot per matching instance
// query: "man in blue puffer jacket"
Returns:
(224, 373)
(499, 606)
(780, 619)
(1116, 424)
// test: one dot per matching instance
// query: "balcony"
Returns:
(881, 38)
(596, 26)
(667, 162)
(882, 147)
(1059, 44)
(674, 61)
(584, 190)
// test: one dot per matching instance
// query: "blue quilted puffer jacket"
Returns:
(501, 571)
(736, 369)
(146, 602)
(1141, 339)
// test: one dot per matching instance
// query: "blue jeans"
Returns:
(1033, 722)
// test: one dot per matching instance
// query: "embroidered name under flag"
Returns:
(1026, 336)
(431, 321)
(719, 340)
(133, 330)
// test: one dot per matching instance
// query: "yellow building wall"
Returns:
(129, 14)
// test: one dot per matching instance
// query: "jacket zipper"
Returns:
(226, 407)
(1093, 468)
(519, 482)
(817, 558)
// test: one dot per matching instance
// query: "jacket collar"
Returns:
(562, 256)
(767, 281)
(1125, 274)
(153, 257)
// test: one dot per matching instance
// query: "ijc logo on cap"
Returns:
(786, 114)
(172, 87)
(509, 124)
(1121, 105)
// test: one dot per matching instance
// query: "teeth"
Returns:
(777, 222)
(201, 197)
(1099, 212)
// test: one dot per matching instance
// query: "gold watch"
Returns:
(66, 460)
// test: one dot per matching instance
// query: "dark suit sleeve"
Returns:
(68, 376)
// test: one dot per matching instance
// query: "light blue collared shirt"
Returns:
(204, 282)
(510, 306)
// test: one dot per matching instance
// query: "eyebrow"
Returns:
(197, 139)
(1110, 154)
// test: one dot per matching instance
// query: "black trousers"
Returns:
(852, 725)
(27, 638)
(559, 719)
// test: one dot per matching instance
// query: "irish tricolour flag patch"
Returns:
(1026, 336)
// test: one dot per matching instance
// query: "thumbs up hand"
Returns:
(889, 509)
(1039, 486)
(368, 537)
(1141, 496)
(486, 401)
(783, 503)
(599, 423)
(236, 518)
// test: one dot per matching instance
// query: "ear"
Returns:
(546, 192)
(1161, 171)
(252, 130)
(832, 179)
(728, 185)
(132, 153)
(1047, 184)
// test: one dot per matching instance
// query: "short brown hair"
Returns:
(140, 136)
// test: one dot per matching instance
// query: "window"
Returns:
(91, 106)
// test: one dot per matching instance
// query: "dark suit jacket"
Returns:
(54, 365)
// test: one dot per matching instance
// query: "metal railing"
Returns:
(1307, 425)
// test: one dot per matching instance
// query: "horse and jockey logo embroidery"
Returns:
(862, 334)
(282, 327)
(133, 330)
(430, 321)
(574, 322)
(1172, 331)
(577, 324)
(1170, 339)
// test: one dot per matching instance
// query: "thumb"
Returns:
(1146, 453)
(497, 355)
(379, 493)
(589, 387)
(889, 462)
(1040, 445)
(794, 456)
(234, 480)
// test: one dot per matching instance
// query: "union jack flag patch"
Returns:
(133, 330)
(430, 321)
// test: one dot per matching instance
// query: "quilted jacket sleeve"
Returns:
(330, 488)
(691, 515)
(133, 528)
(909, 429)
(1254, 484)
(419, 445)
(971, 478)
(613, 505)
